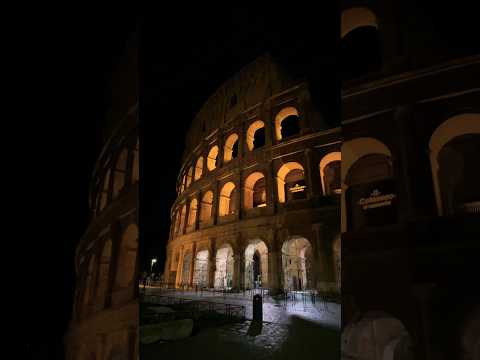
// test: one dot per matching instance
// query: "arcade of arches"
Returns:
(293, 267)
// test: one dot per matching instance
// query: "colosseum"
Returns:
(259, 190)
(104, 322)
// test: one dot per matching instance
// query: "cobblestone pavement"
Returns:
(289, 331)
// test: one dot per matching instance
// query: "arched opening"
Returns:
(360, 47)
(230, 151)
(291, 182)
(376, 336)
(454, 149)
(255, 191)
(192, 215)
(330, 173)
(287, 123)
(371, 194)
(256, 265)
(297, 264)
(224, 267)
(189, 177)
(184, 182)
(228, 200)
(178, 215)
(199, 168)
(120, 172)
(206, 207)
(212, 158)
(200, 276)
(104, 274)
(187, 263)
(105, 190)
(127, 257)
(256, 135)
(183, 214)
(89, 282)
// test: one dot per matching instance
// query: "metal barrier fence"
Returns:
(197, 307)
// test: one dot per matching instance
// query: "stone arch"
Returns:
(200, 276)
(198, 168)
(325, 175)
(186, 267)
(297, 264)
(105, 190)
(183, 215)
(189, 177)
(127, 256)
(256, 135)
(227, 201)
(224, 267)
(230, 150)
(356, 17)
(206, 207)
(120, 172)
(283, 186)
(192, 213)
(352, 151)
(89, 283)
(256, 267)
(212, 158)
(291, 114)
(104, 274)
(442, 148)
(360, 46)
(377, 335)
(255, 191)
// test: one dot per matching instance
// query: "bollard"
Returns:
(257, 308)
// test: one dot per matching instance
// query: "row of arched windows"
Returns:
(93, 289)
(286, 125)
(291, 185)
(118, 174)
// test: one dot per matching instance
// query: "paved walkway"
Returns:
(292, 330)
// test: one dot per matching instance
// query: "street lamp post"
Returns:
(153, 262)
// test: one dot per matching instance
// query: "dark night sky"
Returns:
(66, 75)
(181, 71)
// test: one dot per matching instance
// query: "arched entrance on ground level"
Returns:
(256, 265)
(224, 267)
(377, 336)
(200, 275)
(297, 264)
(187, 262)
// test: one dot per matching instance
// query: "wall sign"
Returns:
(376, 199)
(371, 204)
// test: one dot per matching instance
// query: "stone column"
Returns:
(198, 196)
(308, 173)
(179, 268)
(215, 203)
(323, 260)
(274, 269)
(271, 187)
(422, 293)
(192, 264)
(239, 263)
(211, 263)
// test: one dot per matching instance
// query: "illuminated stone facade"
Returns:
(105, 317)
(259, 190)
(410, 198)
